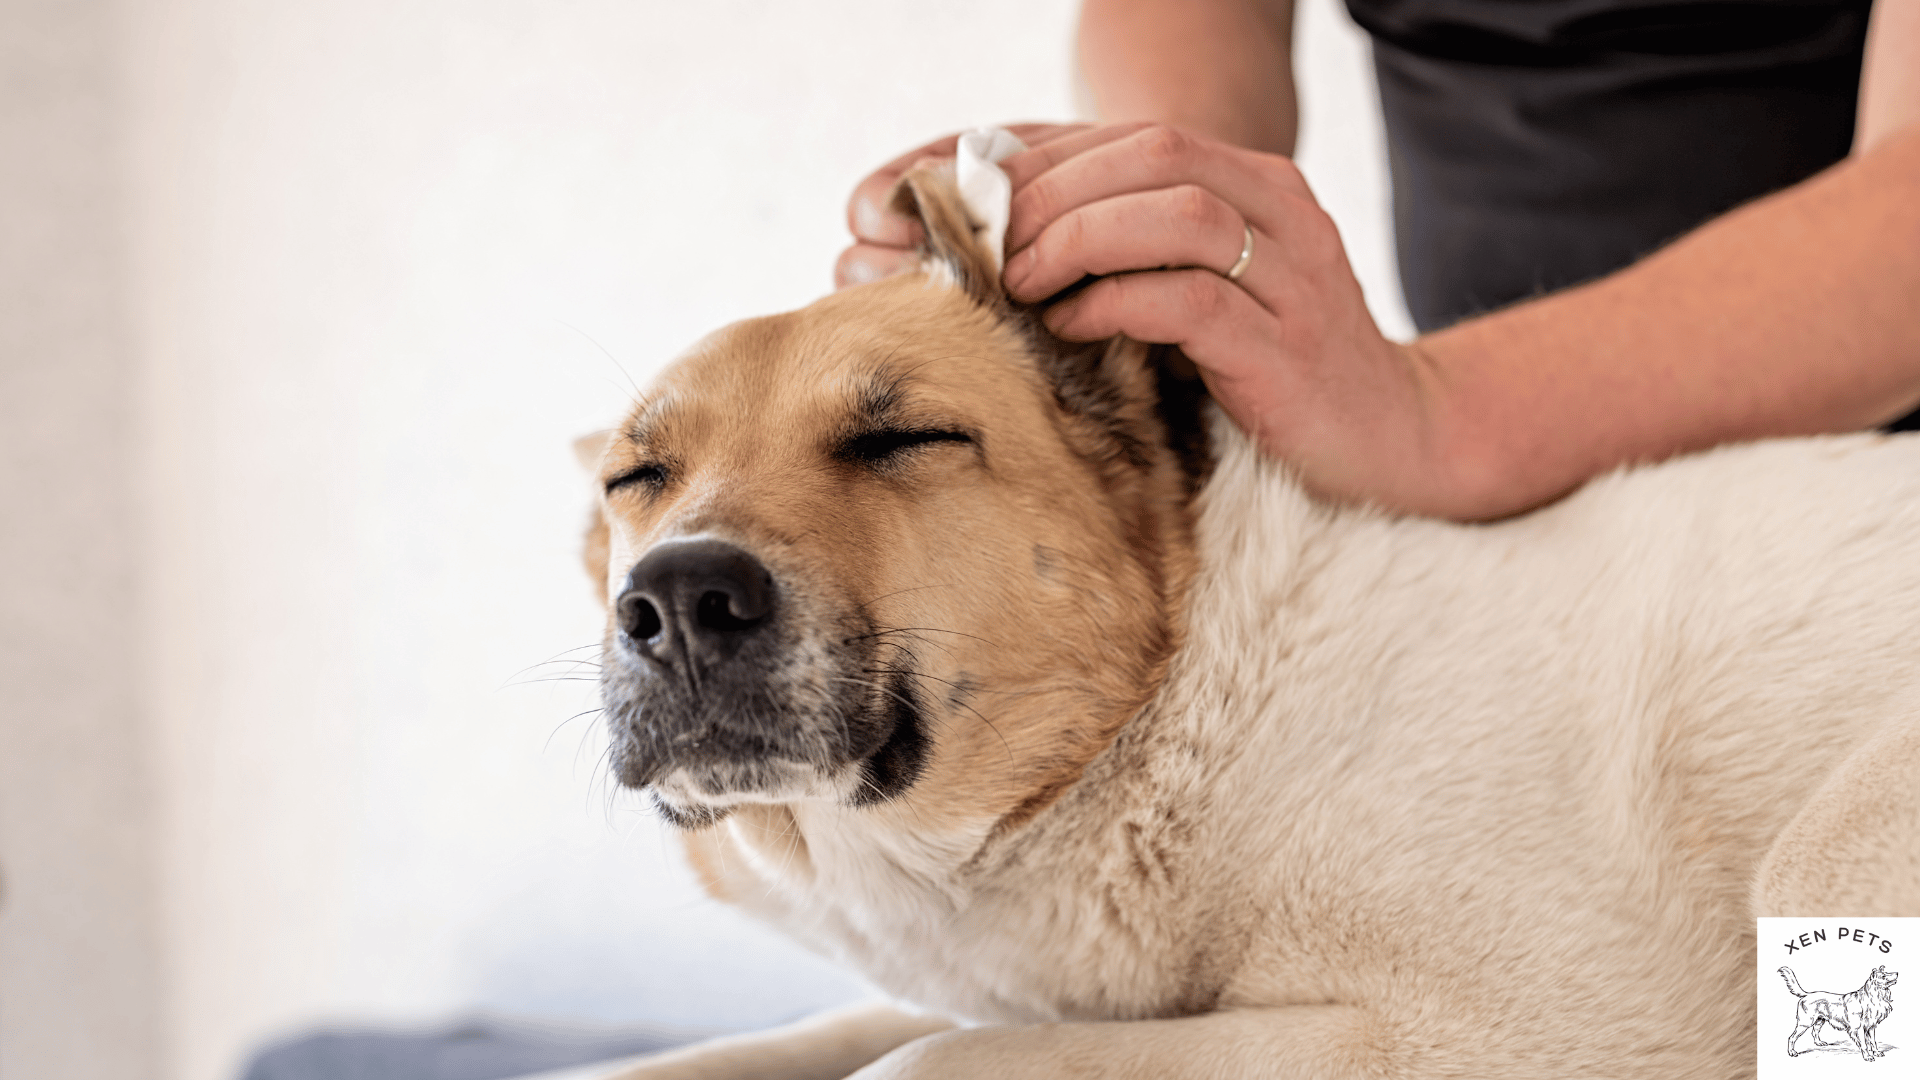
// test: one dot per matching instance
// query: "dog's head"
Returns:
(901, 543)
(1882, 978)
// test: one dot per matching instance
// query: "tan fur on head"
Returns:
(1055, 537)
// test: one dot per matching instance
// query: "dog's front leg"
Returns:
(1321, 1042)
(827, 1046)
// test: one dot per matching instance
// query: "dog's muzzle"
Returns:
(720, 686)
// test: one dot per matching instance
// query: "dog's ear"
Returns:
(956, 244)
(589, 449)
(1135, 396)
(596, 549)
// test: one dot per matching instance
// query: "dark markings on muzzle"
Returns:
(892, 769)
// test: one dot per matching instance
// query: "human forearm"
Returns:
(1222, 68)
(1890, 80)
(1793, 315)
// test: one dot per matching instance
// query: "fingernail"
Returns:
(859, 272)
(869, 221)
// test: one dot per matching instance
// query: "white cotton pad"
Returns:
(985, 188)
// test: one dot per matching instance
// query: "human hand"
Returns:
(1289, 350)
(884, 240)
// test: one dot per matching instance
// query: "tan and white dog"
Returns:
(1005, 672)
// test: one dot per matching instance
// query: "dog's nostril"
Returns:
(721, 611)
(639, 619)
(695, 602)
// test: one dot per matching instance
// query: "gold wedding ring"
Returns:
(1246, 256)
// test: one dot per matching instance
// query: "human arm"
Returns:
(1792, 315)
(1795, 315)
(1222, 68)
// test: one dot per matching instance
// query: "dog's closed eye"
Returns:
(889, 445)
(649, 476)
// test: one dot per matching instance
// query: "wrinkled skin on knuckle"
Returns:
(1200, 297)
(1066, 319)
(1166, 150)
(1040, 202)
(1067, 235)
(1196, 209)
(1091, 315)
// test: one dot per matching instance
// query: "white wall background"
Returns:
(78, 978)
(385, 261)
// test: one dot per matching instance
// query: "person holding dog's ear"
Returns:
(1626, 230)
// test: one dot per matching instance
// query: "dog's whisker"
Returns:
(790, 834)
(876, 686)
(928, 630)
(600, 774)
(904, 651)
(912, 637)
(923, 713)
(948, 356)
(926, 363)
(595, 645)
(995, 728)
(544, 747)
(970, 688)
(557, 658)
(902, 592)
(618, 366)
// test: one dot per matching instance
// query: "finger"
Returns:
(862, 263)
(871, 218)
(1238, 346)
(1041, 156)
(1216, 324)
(1038, 134)
(1256, 184)
(1185, 226)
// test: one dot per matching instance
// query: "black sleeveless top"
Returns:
(1536, 144)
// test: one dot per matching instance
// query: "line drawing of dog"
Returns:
(1006, 672)
(1858, 1014)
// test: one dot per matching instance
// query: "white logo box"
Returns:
(1858, 999)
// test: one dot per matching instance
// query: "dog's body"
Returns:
(1285, 789)
(1858, 1014)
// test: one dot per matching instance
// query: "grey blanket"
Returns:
(481, 1048)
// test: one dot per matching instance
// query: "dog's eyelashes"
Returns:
(880, 447)
(650, 476)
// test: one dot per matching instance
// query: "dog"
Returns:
(1008, 673)
(1858, 1014)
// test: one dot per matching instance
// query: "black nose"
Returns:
(692, 603)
